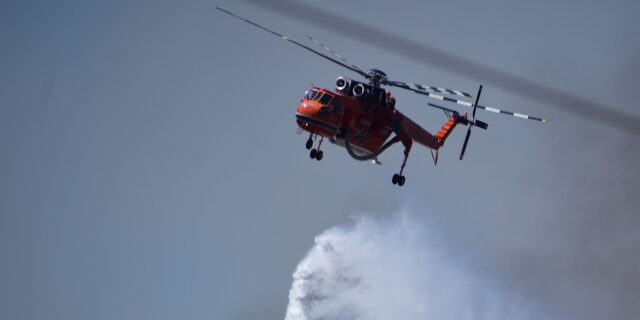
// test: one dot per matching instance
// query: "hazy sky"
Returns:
(150, 167)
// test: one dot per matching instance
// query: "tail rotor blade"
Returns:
(481, 124)
(466, 140)
(475, 105)
(472, 123)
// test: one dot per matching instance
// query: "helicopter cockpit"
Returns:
(310, 94)
(326, 101)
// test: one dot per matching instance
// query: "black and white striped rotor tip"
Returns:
(425, 88)
(470, 104)
(337, 55)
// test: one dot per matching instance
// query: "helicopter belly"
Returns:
(364, 140)
(357, 149)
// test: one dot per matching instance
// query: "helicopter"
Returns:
(361, 115)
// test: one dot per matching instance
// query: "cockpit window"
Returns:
(310, 95)
(325, 99)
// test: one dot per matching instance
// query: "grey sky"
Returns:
(150, 166)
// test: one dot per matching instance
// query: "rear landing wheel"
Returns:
(398, 179)
(319, 155)
(313, 153)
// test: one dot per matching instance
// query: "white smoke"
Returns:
(392, 268)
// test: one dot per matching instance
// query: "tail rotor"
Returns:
(473, 122)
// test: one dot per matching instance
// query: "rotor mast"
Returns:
(376, 77)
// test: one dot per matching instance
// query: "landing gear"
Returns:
(309, 143)
(398, 178)
(315, 153)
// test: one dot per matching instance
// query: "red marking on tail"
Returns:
(446, 130)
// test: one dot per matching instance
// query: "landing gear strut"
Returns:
(315, 153)
(309, 142)
(398, 178)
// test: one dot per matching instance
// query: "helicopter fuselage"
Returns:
(329, 114)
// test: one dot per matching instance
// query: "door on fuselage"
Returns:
(368, 134)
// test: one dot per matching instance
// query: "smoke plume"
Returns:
(393, 268)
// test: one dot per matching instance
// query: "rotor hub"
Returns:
(377, 77)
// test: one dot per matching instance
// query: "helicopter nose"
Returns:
(308, 107)
(315, 118)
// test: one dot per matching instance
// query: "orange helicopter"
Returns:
(362, 116)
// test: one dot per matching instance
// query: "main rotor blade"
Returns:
(416, 86)
(283, 37)
(464, 103)
(334, 53)
(433, 105)
(455, 64)
(444, 90)
(422, 87)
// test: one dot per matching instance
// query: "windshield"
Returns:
(325, 99)
(310, 95)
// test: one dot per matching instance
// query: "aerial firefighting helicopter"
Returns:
(362, 116)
